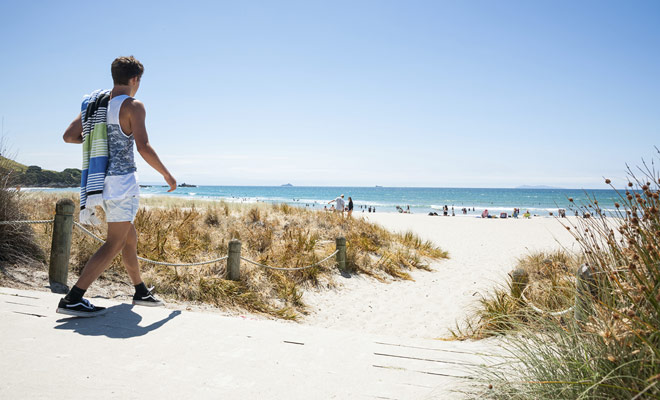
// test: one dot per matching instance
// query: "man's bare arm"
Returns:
(73, 134)
(137, 114)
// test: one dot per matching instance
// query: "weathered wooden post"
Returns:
(234, 260)
(519, 281)
(586, 289)
(60, 248)
(341, 252)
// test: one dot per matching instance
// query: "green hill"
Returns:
(33, 175)
(12, 165)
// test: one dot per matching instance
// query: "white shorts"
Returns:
(121, 210)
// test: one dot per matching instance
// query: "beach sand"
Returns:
(481, 251)
(363, 339)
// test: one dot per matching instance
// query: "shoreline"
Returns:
(381, 208)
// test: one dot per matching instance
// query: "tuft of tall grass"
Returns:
(17, 242)
(551, 288)
(614, 352)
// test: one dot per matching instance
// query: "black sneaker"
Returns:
(148, 300)
(81, 308)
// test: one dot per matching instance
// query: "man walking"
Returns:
(340, 204)
(109, 179)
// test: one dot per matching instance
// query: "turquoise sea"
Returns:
(386, 199)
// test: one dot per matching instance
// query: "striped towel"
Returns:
(94, 112)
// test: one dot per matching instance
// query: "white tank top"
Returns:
(120, 179)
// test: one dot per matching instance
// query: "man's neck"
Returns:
(120, 90)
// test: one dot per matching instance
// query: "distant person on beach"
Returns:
(445, 210)
(485, 214)
(112, 120)
(340, 204)
(350, 206)
(527, 214)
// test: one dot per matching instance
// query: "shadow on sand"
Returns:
(119, 322)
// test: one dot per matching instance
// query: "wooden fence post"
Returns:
(234, 260)
(519, 280)
(341, 252)
(586, 289)
(60, 248)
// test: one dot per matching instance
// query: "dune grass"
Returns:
(280, 235)
(614, 352)
(551, 288)
(17, 242)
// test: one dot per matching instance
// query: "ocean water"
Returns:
(385, 199)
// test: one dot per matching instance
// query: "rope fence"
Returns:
(98, 239)
(291, 269)
(586, 289)
(541, 311)
(40, 221)
(62, 236)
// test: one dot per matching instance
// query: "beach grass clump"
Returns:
(550, 288)
(274, 235)
(612, 350)
(17, 241)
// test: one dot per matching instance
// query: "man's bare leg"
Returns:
(117, 234)
(74, 304)
(129, 255)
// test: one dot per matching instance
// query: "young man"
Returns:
(340, 204)
(125, 122)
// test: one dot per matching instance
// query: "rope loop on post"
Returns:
(540, 311)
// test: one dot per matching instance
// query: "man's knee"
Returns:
(115, 245)
(131, 238)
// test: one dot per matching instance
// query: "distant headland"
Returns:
(34, 176)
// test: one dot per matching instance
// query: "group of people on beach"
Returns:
(402, 211)
(516, 212)
(445, 211)
(341, 205)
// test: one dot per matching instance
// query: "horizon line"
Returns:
(521, 187)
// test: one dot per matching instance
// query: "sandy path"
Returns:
(481, 252)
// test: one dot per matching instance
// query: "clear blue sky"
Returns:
(360, 93)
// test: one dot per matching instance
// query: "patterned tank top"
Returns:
(120, 145)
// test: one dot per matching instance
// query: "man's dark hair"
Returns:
(125, 68)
